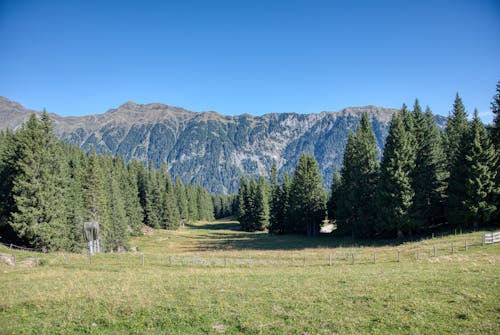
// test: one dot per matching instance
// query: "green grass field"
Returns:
(210, 278)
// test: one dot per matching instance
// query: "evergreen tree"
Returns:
(169, 210)
(191, 196)
(476, 204)
(495, 128)
(117, 234)
(395, 193)
(495, 137)
(74, 171)
(153, 193)
(261, 206)
(242, 203)
(37, 188)
(456, 138)
(95, 197)
(456, 128)
(359, 174)
(307, 198)
(276, 204)
(429, 174)
(182, 202)
(130, 189)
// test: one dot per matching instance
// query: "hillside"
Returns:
(209, 148)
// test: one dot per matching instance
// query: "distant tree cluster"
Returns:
(225, 205)
(48, 189)
(295, 206)
(426, 178)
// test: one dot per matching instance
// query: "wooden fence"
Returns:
(491, 238)
(428, 250)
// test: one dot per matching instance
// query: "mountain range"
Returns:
(208, 148)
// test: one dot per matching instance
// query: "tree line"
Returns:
(49, 188)
(426, 178)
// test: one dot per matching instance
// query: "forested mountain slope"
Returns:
(209, 148)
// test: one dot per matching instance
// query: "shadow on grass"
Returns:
(226, 235)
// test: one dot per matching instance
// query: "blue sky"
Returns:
(256, 57)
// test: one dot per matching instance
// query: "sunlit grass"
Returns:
(273, 294)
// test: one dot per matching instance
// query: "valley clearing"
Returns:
(211, 278)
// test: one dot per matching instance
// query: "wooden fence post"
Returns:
(304, 261)
(398, 256)
(466, 246)
(142, 259)
(11, 246)
(484, 238)
(374, 258)
(330, 260)
(352, 258)
(452, 248)
(14, 259)
(435, 253)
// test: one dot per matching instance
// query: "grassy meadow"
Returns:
(211, 278)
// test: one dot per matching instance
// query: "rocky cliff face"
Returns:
(208, 148)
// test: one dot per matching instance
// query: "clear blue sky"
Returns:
(82, 57)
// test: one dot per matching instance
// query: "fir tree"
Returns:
(429, 174)
(307, 198)
(37, 188)
(356, 208)
(476, 205)
(276, 204)
(456, 138)
(495, 128)
(169, 210)
(261, 206)
(242, 203)
(394, 192)
(182, 202)
(456, 128)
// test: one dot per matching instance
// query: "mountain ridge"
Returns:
(210, 148)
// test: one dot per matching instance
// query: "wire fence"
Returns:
(428, 250)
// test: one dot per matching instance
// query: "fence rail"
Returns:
(425, 251)
(491, 238)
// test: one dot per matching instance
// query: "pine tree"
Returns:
(456, 138)
(182, 202)
(495, 128)
(191, 196)
(276, 204)
(261, 206)
(359, 174)
(74, 171)
(456, 127)
(130, 189)
(153, 192)
(495, 137)
(242, 203)
(394, 192)
(117, 234)
(476, 205)
(37, 188)
(307, 198)
(429, 174)
(169, 210)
